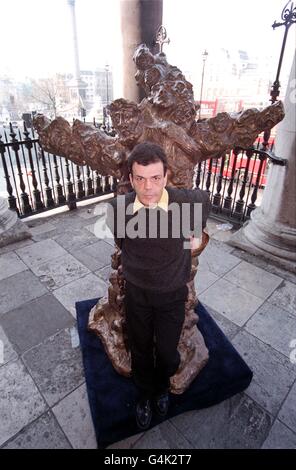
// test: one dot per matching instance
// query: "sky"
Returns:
(38, 40)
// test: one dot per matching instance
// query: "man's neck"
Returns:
(162, 202)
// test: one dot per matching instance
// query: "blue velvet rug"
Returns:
(112, 397)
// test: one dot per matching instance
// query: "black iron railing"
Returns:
(235, 182)
(35, 181)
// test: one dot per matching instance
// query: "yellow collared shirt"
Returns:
(163, 202)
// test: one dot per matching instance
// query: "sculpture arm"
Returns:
(222, 133)
(82, 143)
(180, 137)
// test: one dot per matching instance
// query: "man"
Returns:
(156, 266)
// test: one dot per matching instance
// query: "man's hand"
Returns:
(194, 243)
(198, 244)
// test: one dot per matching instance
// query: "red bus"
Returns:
(241, 164)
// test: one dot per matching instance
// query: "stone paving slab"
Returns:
(204, 279)
(164, 436)
(285, 296)
(88, 287)
(39, 220)
(44, 433)
(229, 328)
(42, 228)
(233, 302)
(76, 239)
(91, 227)
(218, 244)
(45, 236)
(88, 213)
(217, 261)
(223, 236)
(287, 413)
(73, 415)
(16, 245)
(110, 241)
(267, 388)
(280, 437)
(100, 230)
(60, 271)
(56, 366)
(98, 226)
(240, 240)
(19, 289)
(256, 260)
(104, 273)
(40, 252)
(95, 256)
(62, 221)
(126, 443)
(10, 264)
(253, 279)
(7, 352)
(274, 326)
(20, 400)
(237, 423)
(34, 321)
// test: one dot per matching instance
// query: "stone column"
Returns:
(76, 83)
(140, 20)
(271, 231)
(11, 227)
(71, 4)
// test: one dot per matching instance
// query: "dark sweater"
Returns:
(158, 264)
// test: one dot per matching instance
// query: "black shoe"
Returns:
(143, 414)
(161, 404)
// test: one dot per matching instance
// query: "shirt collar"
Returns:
(163, 202)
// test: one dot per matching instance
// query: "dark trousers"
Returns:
(154, 323)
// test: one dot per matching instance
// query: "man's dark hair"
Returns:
(146, 153)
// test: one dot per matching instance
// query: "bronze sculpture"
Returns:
(167, 117)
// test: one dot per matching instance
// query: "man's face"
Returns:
(148, 182)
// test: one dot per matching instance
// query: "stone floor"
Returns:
(43, 400)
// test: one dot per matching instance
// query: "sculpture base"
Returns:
(112, 397)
